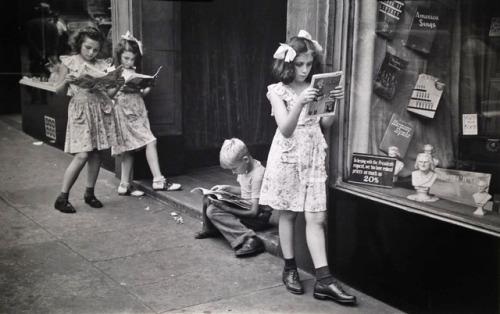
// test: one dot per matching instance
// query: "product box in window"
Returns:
(425, 96)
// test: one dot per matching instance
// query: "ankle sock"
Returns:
(290, 263)
(323, 275)
(89, 191)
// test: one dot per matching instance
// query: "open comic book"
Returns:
(323, 105)
(89, 77)
(230, 198)
(138, 80)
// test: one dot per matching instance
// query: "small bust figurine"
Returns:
(423, 178)
(481, 197)
(393, 151)
(429, 149)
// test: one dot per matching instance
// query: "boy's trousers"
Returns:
(235, 229)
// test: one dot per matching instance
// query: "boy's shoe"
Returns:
(203, 234)
(332, 291)
(163, 185)
(64, 206)
(251, 246)
(129, 191)
(92, 200)
(292, 281)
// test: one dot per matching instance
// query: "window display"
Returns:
(433, 107)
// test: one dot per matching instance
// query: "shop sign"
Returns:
(372, 170)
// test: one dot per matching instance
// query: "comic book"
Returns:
(323, 105)
(232, 199)
(138, 80)
(89, 77)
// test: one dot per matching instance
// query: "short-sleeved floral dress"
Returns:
(133, 122)
(91, 120)
(295, 177)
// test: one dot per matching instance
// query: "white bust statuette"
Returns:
(423, 178)
(481, 197)
(393, 151)
(429, 149)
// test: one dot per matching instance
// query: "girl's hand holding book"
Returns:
(337, 93)
(307, 96)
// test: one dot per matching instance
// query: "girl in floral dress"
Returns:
(91, 124)
(133, 122)
(295, 178)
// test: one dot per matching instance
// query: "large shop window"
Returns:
(47, 27)
(421, 127)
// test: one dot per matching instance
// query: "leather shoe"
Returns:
(333, 291)
(64, 206)
(252, 245)
(203, 234)
(292, 281)
(92, 201)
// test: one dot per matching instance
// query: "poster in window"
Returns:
(388, 76)
(399, 133)
(388, 15)
(423, 29)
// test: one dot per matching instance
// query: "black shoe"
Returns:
(64, 206)
(92, 200)
(252, 245)
(292, 281)
(333, 291)
(203, 234)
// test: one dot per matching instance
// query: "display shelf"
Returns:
(41, 85)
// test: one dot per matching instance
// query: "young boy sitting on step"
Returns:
(235, 223)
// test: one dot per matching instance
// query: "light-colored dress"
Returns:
(91, 120)
(133, 122)
(295, 177)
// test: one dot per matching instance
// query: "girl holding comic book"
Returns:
(91, 124)
(133, 122)
(295, 177)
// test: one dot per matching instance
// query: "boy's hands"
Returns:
(219, 188)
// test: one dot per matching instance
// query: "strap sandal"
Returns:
(92, 201)
(164, 185)
(128, 190)
(64, 206)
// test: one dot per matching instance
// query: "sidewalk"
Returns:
(131, 256)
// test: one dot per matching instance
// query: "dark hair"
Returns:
(285, 71)
(128, 45)
(89, 32)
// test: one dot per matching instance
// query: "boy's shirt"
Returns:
(250, 183)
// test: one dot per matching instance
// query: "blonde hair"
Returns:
(232, 153)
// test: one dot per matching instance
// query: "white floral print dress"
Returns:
(91, 120)
(295, 177)
(133, 122)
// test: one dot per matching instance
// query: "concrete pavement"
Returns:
(131, 256)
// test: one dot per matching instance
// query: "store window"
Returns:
(422, 127)
(47, 27)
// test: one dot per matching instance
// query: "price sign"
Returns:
(372, 170)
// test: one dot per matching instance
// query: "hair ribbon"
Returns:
(306, 35)
(285, 52)
(127, 36)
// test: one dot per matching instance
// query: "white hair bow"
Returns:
(306, 35)
(127, 36)
(285, 52)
